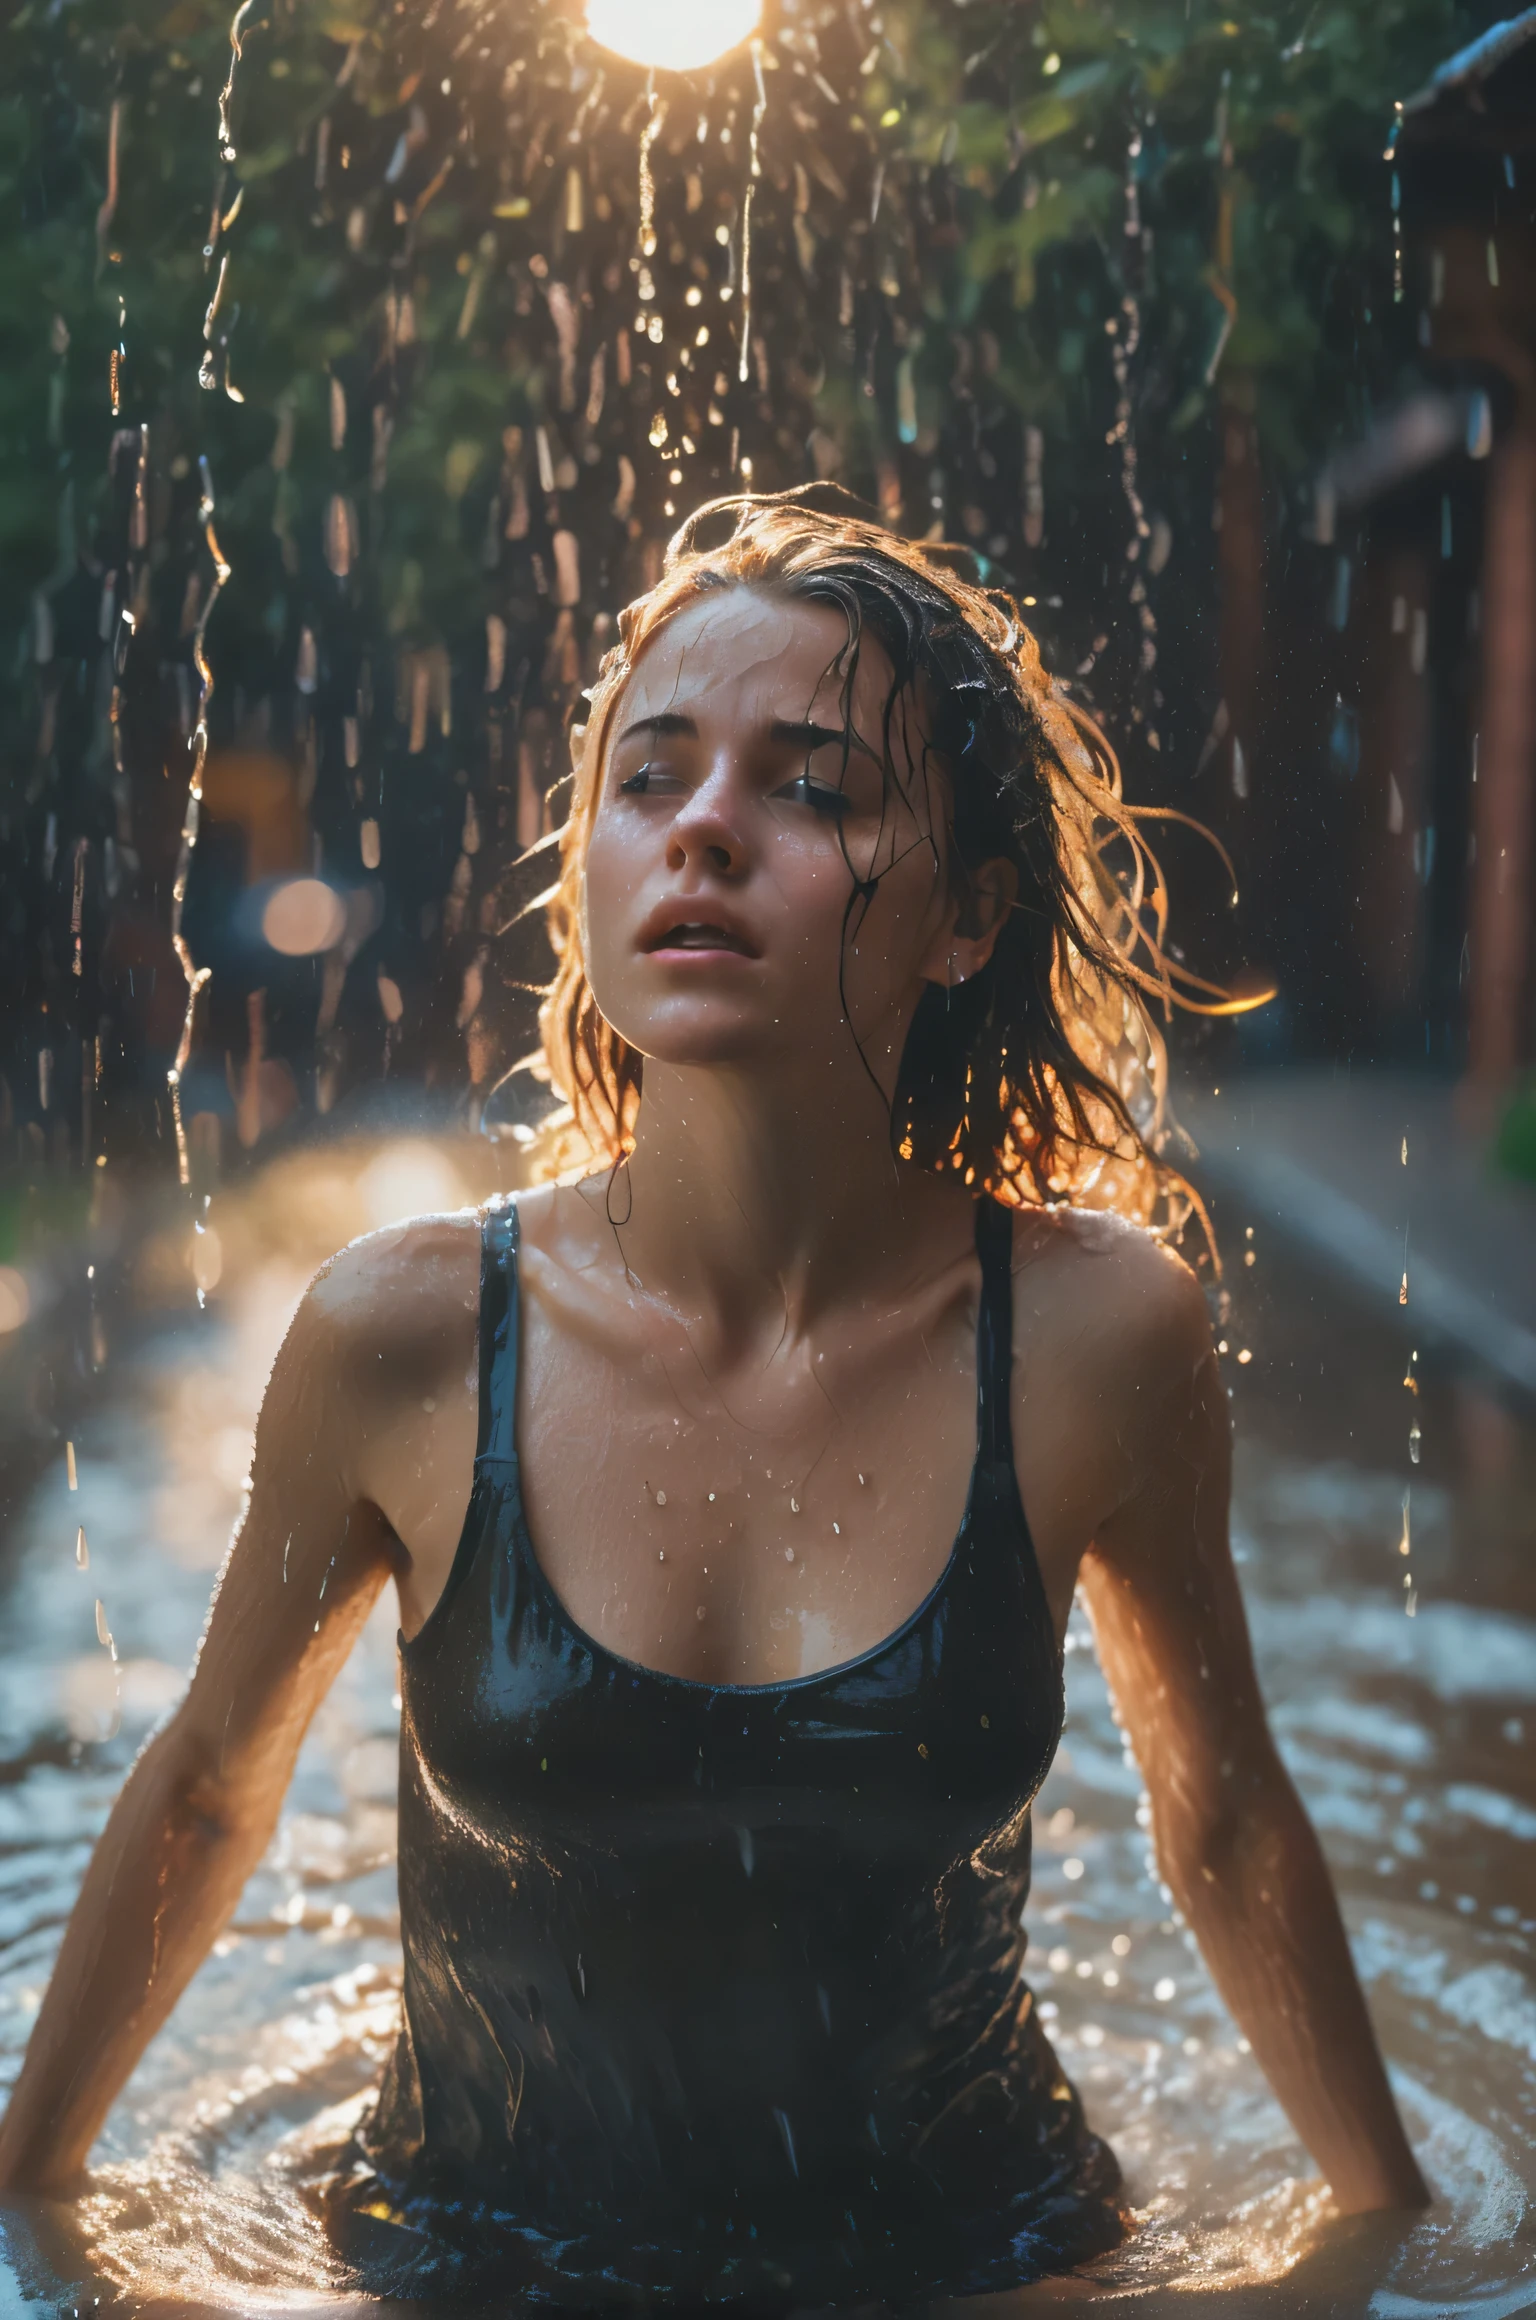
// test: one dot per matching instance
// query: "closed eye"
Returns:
(802, 791)
(640, 784)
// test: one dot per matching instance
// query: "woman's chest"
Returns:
(748, 1526)
(531, 1726)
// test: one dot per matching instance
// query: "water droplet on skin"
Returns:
(661, 1554)
(661, 1498)
(711, 1498)
(837, 1530)
(861, 1482)
(82, 1551)
(794, 1506)
(789, 1554)
(700, 1612)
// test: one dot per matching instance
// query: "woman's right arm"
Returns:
(200, 1804)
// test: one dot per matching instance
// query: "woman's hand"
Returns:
(1233, 1839)
(200, 1804)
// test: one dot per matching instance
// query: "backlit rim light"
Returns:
(674, 35)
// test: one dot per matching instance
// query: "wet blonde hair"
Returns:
(1044, 1078)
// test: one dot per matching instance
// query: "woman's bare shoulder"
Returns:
(1096, 1279)
(401, 1278)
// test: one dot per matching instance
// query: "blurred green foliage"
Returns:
(1252, 145)
(1085, 224)
(1514, 1148)
(1259, 169)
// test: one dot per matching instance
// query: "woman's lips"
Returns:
(699, 938)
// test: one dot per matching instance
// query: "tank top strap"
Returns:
(994, 1334)
(497, 1437)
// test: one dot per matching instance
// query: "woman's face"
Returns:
(718, 873)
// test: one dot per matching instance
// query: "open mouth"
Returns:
(701, 935)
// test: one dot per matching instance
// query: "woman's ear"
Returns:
(962, 948)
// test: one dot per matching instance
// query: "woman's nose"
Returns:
(705, 834)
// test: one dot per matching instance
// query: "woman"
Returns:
(736, 1493)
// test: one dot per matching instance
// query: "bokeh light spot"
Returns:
(408, 1179)
(302, 917)
(15, 1303)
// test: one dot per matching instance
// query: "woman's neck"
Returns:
(751, 1196)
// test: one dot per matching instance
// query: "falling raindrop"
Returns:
(195, 976)
(754, 172)
(82, 1551)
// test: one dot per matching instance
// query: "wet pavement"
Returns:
(1388, 1179)
(1402, 1687)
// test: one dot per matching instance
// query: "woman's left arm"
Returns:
(1233, 1838)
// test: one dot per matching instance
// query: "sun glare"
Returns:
(674, 35)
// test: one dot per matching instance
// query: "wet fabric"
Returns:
(713, 1992)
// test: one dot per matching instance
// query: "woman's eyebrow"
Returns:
(794, 732)
(666, 721)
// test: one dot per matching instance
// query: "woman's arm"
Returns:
(200, 1804)
(1233, 1839)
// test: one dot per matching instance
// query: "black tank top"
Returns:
(713, 1991)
